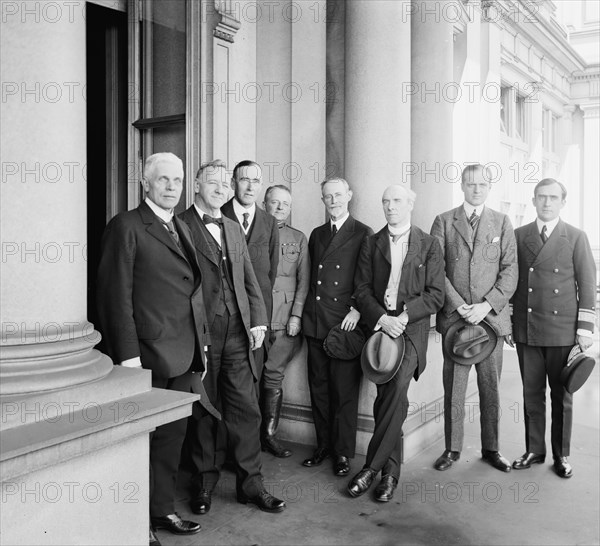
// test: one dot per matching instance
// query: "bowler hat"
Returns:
(381, 357)
(578, 369)
(469, 343)
(342, 344)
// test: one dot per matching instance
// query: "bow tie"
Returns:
(212, 220)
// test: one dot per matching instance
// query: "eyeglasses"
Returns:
(255, 181)
(329, 198)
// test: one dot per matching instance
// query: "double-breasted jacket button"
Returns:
(337, 266)
(334, 299)
(555, 312)
(530, 290)
(335, 283)
(529, 309)
(320, 266)
(555, 270)
(318, 282)
(555, 290)
(318, 298)
(531, 269)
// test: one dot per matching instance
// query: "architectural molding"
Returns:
(227, 24)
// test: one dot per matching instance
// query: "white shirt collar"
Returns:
(470, 208)
(239, 209)
(399, 230)
(549, 225)
(340, 221)
(165, 215)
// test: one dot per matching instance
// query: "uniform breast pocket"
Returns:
(290, 254)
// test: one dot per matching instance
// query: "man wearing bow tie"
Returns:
(334, 384)
(151, 315)
(481, 276)
(399, 285)
(237, 322)
(553, 309)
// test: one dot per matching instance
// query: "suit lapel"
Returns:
(414, 248)
(532, 242)
(382, 243)
(156, 228)
(554, 244)
(342, 236)
(484, 228)
(461, 225)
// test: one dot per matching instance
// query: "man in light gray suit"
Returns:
(481, 275)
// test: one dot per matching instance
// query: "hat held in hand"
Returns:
(381, 357)
(342, 344)
(469, 344)
(579, 367)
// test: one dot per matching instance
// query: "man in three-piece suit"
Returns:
(289, 295)
(262, 235)
(553, 309)
(481, 276)
(334, 384)
(399, 285)
(237, 322)
(151, 314)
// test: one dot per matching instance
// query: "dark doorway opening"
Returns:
(106, 94)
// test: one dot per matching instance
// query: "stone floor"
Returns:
(471, 503)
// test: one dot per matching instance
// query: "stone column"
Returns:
(377, 104)
(591, 172)
(47, 342)
(431, 124)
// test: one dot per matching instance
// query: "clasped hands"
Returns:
(475, 312)
(394, 326)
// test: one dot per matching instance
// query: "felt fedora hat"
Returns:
(579, 367)
(342, 344)
(381, 357)
(469, 344)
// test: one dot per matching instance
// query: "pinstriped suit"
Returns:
(480, 266)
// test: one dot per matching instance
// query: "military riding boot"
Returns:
(271, 401)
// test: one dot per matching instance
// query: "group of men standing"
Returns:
(213, 302)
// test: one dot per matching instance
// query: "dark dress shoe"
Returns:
(174, 524)
(562, 467)
(153, 540)
(200, 504)
(320, 454)
(527, 459)
(384, 492)
(361, 482)
(445, 460)
(270, 444)
(341, 466)
(496, 459)
(265, 501)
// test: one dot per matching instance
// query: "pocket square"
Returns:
(495, 239)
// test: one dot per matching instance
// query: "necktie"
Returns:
(207, 219)
(171, 229)
(333, 230)
(473, 220)
(544, 234)
(245, 223)
(395, 237)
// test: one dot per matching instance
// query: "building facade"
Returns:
(376, 91)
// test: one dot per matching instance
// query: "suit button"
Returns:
(556, 271)
(335, 283)
(555, 312)
(337, 266)
(334, 299)
(318, 298)
(531, 269)
(318, 282)
(530, 290)
(555, 290)
(529, 310)
(320, 266)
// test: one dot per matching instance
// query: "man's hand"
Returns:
(584, 342)
(392, 326)
(463, 309)
(135, 362)
(509, 340)
(477, 312)
(350, 320)
(293, 326)
(257, 338)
